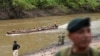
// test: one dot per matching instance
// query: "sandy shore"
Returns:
(50, 51)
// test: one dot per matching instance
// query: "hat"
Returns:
(78, 23)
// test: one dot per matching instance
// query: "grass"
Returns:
(33, 42)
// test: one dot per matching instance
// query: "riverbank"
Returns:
(17, 9)
(54, 48)
(34, 13)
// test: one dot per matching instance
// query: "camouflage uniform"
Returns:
(68, 52)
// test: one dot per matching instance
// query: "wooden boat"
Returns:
(31, 30)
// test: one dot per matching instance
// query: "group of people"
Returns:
(14, 31)
(79, 33)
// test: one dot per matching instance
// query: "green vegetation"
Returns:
(11, 9)
(30, 4)
(27, 4)
(82, 3)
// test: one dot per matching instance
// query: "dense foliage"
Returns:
(30, 4)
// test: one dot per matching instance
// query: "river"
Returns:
(33, 42)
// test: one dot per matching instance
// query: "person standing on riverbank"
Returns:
(79, 33)
(59, 39)
(62, 39)
(15, 48)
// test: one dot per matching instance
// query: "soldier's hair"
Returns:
(15, 41)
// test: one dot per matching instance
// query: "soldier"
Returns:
(59, 39)
(79, 33)
(15, 48)
(62, 39)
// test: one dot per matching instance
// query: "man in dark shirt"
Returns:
(15, 48)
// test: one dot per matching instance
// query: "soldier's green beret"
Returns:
(77, 24)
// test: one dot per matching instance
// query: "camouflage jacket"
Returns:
(67, 52)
